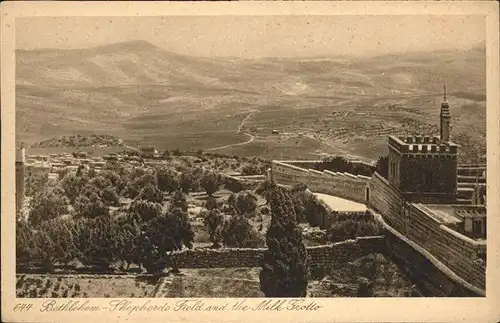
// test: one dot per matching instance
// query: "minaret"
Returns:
(20, 190)
(445, 118)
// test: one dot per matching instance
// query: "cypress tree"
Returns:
(284, 266)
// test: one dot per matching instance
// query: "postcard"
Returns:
(250, 161)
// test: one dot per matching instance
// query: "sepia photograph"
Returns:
(286, 156)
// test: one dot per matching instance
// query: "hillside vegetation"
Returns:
(142, 93)
(79, 141)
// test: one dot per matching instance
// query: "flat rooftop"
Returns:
(452, 214)
(339, 204)
(422, 144)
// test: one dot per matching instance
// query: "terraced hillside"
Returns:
(142, 93)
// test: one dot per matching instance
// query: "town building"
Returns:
(148, 152)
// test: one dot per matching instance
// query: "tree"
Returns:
(178, 200)
(46, 206)
(211, 203)
(128, 236)
(60, 233)
(142, 211)
(81, 233)
(333, 163)
(382, 166)
(168, 179)
(187, 182)
(238, 232)
(365, 288)
(45, 249)
(151, 193)
(115, 176)
(251, 169)
(36, 182)
(89, 204)
(110, 196)
(25, 244)
(163, 235)
(139, 182)
(300, 199)
(265, 189)
(284, 266)
(72, 185)
(103, 246)
(211, 182)
(246, 203)
(115, 167)
(214, 221)
(233, 185)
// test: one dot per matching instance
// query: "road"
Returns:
(240, 127)
(251, 138)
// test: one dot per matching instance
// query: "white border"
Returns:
(341, 309)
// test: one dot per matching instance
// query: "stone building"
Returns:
(148, 152)
(424, 168)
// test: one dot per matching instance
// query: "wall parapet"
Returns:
(430, 257)
(344, 185)
(416, 223)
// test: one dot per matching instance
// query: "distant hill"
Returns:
(110, 87)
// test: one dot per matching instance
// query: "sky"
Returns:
(259, 36)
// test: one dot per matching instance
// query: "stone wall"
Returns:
(387, 201)
(235, 183)
(458, 253)
(431, 276)
(331, 255)
(344, 185)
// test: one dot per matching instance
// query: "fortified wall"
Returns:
(331, 255)
(458, 262)
(344, 185)
(416, 222)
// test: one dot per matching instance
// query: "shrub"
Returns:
(317, 272)
(351, 229)
(238, 232)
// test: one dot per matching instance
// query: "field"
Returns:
(217, 282)
(84, 286)
(146, 95)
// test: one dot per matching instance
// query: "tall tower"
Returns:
(445, 119)
(20, 190)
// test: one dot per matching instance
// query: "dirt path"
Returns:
(244, 120)
(240, 127)
(251, 138)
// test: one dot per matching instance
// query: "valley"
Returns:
(299, 107)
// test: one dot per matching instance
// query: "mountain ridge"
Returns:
(106, 86)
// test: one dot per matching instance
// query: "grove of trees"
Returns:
(74, 221)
